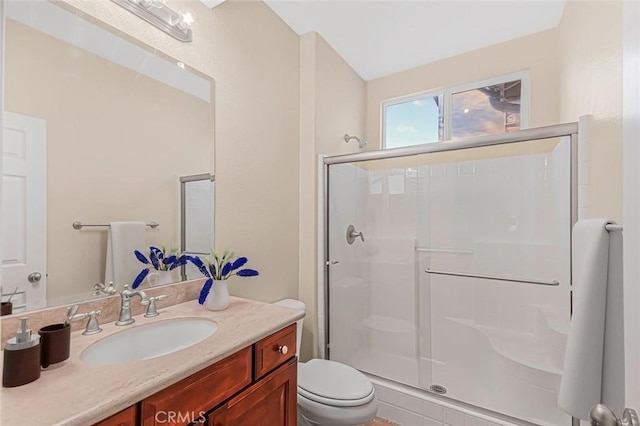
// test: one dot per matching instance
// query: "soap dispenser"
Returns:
(21, 358)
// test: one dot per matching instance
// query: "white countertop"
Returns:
(75, 393)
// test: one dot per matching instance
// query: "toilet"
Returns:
(331, 393)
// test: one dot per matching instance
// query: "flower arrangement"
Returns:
(160, 259)
(218, 268)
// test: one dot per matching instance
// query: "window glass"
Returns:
(414, 122)
(486, 110)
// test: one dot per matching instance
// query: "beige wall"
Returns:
(538, 53)
(257, 131)
(591, 83)
(106, 160)
(332, 101)
(254, 58)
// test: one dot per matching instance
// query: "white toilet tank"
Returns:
(298, 306)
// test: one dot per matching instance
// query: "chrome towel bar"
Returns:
(443, 250)
(80, 225)
(493, 277)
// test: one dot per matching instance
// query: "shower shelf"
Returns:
(522, 349)
(388, 324)
(554, 324)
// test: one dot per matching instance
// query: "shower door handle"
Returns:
(332, 262)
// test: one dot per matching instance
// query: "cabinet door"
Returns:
(185, 401)
(270, 402)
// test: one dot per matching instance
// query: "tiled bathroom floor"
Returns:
(381, 422)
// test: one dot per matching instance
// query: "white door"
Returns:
(24, 211)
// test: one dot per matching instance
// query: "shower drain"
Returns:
(438, 389)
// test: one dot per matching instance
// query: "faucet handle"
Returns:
(93, 326)
(110, 289)
(99, 288)
(151, 306)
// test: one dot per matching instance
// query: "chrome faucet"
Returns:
(99, 289)
(125, 304)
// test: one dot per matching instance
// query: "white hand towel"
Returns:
(122, 266)
(594, 359)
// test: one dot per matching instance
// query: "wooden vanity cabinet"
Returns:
(255, 386)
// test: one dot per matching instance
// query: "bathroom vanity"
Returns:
(254, 386)
(244, 373)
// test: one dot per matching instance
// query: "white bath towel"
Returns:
(594, 361)
(122, 266)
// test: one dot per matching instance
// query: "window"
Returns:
(414, 122)
(492, 106)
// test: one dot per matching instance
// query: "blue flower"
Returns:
(141, 276)
(247, 273)
(217, 268)
(206, 288)
(159, 259)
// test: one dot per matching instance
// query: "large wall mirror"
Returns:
(98, 129)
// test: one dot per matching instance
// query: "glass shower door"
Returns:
(494, 293)
(457, 278)
(373, 288)
(347, 291)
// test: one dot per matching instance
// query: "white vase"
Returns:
(160, 278)
(218, 298)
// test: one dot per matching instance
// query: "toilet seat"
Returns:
(334, 384)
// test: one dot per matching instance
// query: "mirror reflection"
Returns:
(196, 231)
(98, 130)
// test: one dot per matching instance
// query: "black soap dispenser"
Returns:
(21, 358)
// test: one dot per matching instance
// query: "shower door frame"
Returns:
(527, 135)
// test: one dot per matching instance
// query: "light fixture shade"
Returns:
(161, 16)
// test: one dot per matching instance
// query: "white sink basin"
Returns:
(149, 341)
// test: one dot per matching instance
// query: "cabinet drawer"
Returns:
(186, 400)
(273, 351)
(126, 417)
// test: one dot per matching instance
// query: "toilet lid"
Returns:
(333, 383)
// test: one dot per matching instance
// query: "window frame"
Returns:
(448, 92)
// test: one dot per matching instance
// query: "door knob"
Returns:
(601, 415)
(34, 277)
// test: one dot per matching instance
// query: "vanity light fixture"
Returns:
(157, 13)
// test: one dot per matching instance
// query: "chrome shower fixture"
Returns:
(361, 142)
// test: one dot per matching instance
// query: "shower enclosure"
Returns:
(449, 269)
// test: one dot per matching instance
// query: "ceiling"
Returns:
(377, 38)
